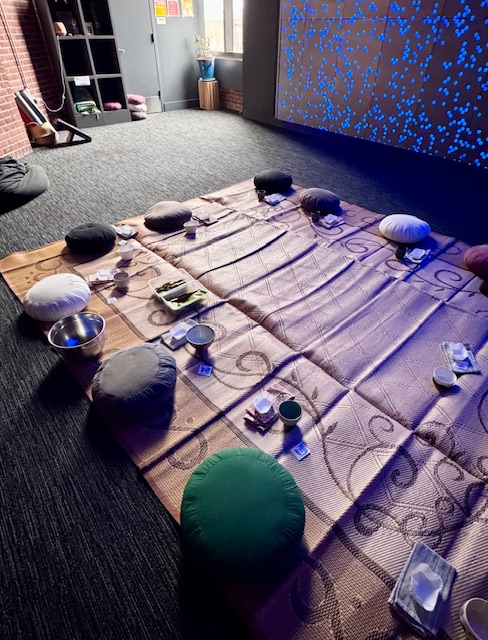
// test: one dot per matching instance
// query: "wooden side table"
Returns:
(208, 94)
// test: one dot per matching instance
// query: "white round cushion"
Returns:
(401, 227)
(56, 297)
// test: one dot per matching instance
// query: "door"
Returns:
(176, 52)
(131, 21)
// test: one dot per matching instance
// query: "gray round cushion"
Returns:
(135, 383)
(273, 181)
(56, 297)
(316, 199)
(167, 215)
(91, 238)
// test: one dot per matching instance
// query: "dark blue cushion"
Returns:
(316, 199)
(91, 238)
(273, 181)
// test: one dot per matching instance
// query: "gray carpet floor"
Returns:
(87, 549)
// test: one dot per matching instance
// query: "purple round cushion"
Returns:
(476, 260)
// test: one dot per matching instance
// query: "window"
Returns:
(223, 24)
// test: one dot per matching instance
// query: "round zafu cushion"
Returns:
(476, 260)
(112, 106)
(273, 181)
(134, 98)
(404, 228)
(91, 238)
(242, 516)
(137, 108)
(167, 215)
(135, 383)
(316, 199)
(56, 297)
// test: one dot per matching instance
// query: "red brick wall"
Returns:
(36, 67)
(230, 99)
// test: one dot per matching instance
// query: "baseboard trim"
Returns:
(180, 104)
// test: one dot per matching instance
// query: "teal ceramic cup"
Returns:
(290, 413)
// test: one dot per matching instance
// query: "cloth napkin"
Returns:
(426, 623)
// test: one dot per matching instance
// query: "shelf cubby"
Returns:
(112, 90)
(75, 57)
(68, 13)
(104, 54)
(97, 13)
(83, 93)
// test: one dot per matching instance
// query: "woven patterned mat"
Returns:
(354, 334)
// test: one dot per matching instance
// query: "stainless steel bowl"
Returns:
(81, 335)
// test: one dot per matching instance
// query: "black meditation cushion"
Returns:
(167, 215)
(93, 237)
(316, 199)
(273, 181)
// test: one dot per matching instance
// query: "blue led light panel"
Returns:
(411, 74)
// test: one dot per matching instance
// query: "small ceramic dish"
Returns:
(458, 350)
(200, 336)
(262, 404)
(290, 413)
(444, 377)
(122, 280)
(426, 586)
(190, 227)
(474, 618)
(126, 252)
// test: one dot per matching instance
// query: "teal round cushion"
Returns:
(242, 516)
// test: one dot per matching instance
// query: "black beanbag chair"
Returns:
(20, 182)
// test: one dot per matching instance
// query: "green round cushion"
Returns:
(242, 516)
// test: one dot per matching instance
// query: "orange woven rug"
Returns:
(354, 334)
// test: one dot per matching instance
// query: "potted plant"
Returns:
(206, 60)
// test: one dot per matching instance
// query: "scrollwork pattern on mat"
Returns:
(326, 606)
(483, 411)
(360, 245)
(447, 512)
(436, 434)
(186, 461)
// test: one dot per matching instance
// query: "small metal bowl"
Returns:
(200, 336)
(81, 335)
